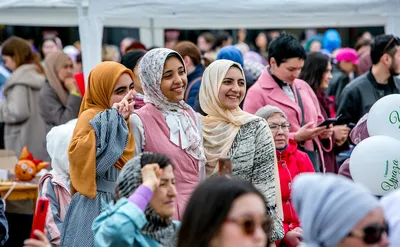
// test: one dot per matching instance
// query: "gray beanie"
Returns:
(329, 206)
(267, 111)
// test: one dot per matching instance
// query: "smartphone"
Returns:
(39, 219)
(225, 167)
(329, 121)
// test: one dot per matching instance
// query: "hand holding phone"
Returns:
(225, 167)
(39, 219)
(329, 121)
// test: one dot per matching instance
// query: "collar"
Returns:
(277, 80)
(377, 85)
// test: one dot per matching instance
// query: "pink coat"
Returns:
(186, 169)
(266, 91)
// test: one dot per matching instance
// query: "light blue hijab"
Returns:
(329, 206)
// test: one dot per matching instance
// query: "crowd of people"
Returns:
(135, 154)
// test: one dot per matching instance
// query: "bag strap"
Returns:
(187, 92)
(300, 102)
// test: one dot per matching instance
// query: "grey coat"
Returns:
(53, 111)
(20, 112)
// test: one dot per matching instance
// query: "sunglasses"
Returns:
(372, 234)
(389, 43)
(250, 224)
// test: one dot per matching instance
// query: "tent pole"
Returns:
(153, 42)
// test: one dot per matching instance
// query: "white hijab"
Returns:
(221, 125)
(58, 140)
(182, 126)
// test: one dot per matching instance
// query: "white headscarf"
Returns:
(182, 126)
(221, 125)
(58, 140)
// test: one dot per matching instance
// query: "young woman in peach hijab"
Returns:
(101, 145)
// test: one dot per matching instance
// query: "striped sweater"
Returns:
(253, 156)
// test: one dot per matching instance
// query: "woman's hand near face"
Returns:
(341, 134)
(70, 85)
(151, 175)
(124, 107)
(40, 242)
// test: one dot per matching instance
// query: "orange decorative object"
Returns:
(27, 167)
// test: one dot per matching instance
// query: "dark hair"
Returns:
(285, 47)
(187, 48)
(221, 38)
(381, 46)
(132, 58)
(208, 208)
(79, 58)
(208, 37)
(21, 52)
(177, 55)
(155, 158)
(314, 68)
(362, 42)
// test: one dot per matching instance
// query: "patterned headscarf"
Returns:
(151, 69)
(161, 230)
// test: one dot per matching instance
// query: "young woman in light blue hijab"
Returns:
(335, 212)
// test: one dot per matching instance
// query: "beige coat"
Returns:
(20, 112)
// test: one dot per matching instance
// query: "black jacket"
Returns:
(360, 94)
(337, 84)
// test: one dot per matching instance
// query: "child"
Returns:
(55, 185)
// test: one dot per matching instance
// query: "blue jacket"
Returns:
(194, 77)
(119, 225)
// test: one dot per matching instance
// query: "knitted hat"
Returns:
(268, 110)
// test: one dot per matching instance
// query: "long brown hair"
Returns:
(21, 52)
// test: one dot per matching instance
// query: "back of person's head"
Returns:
(314, 68)
(187, 48)
(285, 47)
(111, 53)
(136, 45)
(231, 53)
(384, 44)
(131, 59)
(221, 39)
(57, 141)
(21, 52)
(208, 210)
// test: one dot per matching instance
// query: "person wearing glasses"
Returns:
(336, 212)
(360, 94)
(225, 212)
(291, 162)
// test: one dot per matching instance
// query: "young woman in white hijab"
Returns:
(245, 138)
(166, 124)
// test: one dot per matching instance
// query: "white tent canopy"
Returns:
(152, 16)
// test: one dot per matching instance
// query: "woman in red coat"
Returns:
(291, 162)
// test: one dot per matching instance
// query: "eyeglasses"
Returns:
(276, 127)
(372, 234)
(389, 43)
(250, 224)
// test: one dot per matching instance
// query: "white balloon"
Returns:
(374, 163)
(384, 117)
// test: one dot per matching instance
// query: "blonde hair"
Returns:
(110, 53)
